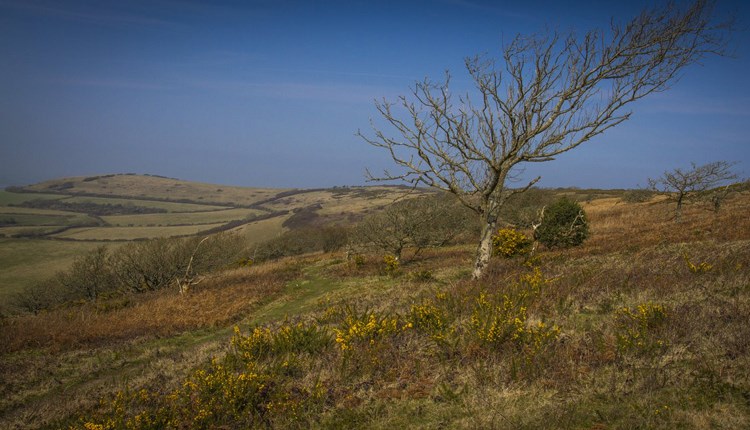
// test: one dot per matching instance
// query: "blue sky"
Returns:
(271, 93)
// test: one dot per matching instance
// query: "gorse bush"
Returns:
(367, 329)
(248, 388)
(702, 267)
(430, 319)
(563, 225)
(390, 264)
(636, 327)
(225, 394)
(264, 342)
(500, 321)
(508, 242)
(292, 374)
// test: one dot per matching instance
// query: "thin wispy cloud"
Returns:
(67, 12)
(333, 92)
(114, 83)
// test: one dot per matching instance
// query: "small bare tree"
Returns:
(709, 180)
(415, 223)
(553, 93)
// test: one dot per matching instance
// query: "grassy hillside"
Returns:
(154, 188)
(45, 226)
(643, 326)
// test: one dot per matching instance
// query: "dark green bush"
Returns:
(564, 225)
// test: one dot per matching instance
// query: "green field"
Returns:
(26, 261)
(174, 219)
(132, 233)
(43, 219)
(34, 211)
(7, 198)
(156, 204)
(30, 231)
(18, 221)
(96, 210)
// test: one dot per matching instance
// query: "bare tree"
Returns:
(553, 93)
(416, 223)
(709, 180)
(90, 275)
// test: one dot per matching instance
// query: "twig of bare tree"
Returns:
(553, 93)
(188, 280)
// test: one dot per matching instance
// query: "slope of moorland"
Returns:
(52, 222)
(153, 188)
(643, 326)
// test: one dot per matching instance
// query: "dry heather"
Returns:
(618, 226)
(217, 301)
(644, 326)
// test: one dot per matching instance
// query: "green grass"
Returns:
(34, 231)
(132, 233)
(168, 219)
(168, 206)
(8, 210)
(259, 231)
(588, 377)
(7, 198)
(48, 257)
(31, 219)
(299, 297)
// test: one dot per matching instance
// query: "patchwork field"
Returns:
(44, 226)
(155, 204)
(642, 326)
(106, 234)
(182, 218)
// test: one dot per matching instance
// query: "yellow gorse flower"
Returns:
(635, 326)
(366, 329)
(699, 268)
(508, 243)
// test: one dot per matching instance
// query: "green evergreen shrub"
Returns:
(564, 225)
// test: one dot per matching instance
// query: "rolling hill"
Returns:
(642, 326)
(53, 221)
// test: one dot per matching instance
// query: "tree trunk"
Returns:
(484, 250)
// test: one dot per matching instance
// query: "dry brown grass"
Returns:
(636, 254)
(217, 301)
(618, 226)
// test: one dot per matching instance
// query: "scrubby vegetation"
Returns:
(414, 224)
(135, 267)
(643, 325)
(563, 225)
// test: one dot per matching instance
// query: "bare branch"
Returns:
(552, 93)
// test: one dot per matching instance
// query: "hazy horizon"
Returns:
(270, 94)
